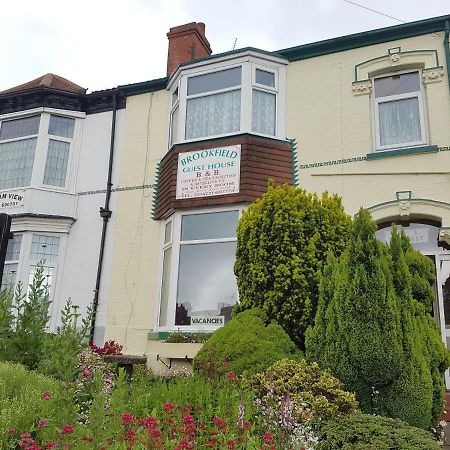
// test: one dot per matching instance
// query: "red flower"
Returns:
(42, 423)
(51, 445)
(187, 419)
(126, 418)
(67, 429)
(11, 430)
(230, 443)
(87, 439)
(226, 363)
(219, 422)
(34, 446)
(268, 437)
(232, 376)
(169, 408)
(46, 395)
(247, 425)
(87, 373)
(156, 433)
(25, 435)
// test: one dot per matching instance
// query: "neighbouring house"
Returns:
(366, 116)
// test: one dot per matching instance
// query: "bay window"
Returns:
(26, 142)
(238, 95)
(197, 284)
(399, 111)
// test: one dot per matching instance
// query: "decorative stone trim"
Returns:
(362, 87)
(432, 75)
(444, 235)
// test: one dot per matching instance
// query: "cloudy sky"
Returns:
(100, 44)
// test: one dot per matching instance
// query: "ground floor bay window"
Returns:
(197, 283)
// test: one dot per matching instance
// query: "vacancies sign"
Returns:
(205, 173)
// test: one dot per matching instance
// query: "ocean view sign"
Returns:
(206, 173)
(11, 199)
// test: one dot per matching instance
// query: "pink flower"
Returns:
(219, 422)
(232, 376)
(67, 429)
(11, 430)
(169, 408)
(34, 446)
(51, 445)
(87, 372)
(42, 423)
(46, 395)
(126, 418)
(25, 435)
(187, 419)
(268, 437)
(87, 439)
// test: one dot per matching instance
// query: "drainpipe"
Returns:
(447, 50)
(105, 214)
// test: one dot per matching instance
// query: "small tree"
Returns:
(283, 240)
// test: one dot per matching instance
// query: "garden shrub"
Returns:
(366, 432)
(282, 242)
(27, 397)
(373, 335)
(307, 385)
(245, 344)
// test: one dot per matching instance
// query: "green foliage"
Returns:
(61, 350)
(373, 335)
(245, 344)
(178, 337)
(307, 385)
(366, 432)
(27, 331)
(22, 404)
(283, 240)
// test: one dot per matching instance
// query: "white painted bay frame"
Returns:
(413, 94)
(176, 243)
(249, 61)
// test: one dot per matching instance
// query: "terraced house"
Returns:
(365, 116)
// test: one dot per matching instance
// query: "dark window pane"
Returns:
(209, 226)
(265, 78)
(397, 84)
(214, 81)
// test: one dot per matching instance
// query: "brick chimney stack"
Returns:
(186, 42)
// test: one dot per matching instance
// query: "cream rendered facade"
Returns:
(330, 113)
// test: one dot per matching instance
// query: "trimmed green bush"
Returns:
(373, 335)
(366, 432)
(283, 240)
(245, 344)
(307, 385)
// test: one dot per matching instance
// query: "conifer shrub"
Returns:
(247, 343)
(373, 335)
(282, 242)
(367, 432)
(307, 385)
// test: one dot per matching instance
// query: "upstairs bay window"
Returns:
(242, 95)
(26, 142)
(399, 111)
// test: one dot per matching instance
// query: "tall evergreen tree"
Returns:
(371, 332)
(283, 241)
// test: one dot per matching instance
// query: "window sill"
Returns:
(403, 152)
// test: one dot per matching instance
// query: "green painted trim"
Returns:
(350, 160)
(407, 52)
(158, 335)
(294, 162)
(403, 152)
(413, 200)
(364, 39)
(143, 87)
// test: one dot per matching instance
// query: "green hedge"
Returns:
(245, 344)
(365, 432)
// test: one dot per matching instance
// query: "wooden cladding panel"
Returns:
(261, 159)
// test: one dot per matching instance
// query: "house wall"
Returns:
(135, 252)
(331, 123)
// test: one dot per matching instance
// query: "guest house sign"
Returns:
(210, 172)
(11, 199)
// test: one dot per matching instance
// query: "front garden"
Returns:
(332, 346)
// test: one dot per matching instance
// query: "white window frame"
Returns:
(376, 118)
(249, 63)
(43, 137)
(176, 244)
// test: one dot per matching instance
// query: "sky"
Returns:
(100, 44)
